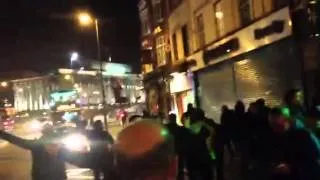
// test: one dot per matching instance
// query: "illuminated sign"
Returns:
(66, 107)
(157, 30)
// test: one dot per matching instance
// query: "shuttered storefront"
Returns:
(268, 73)
(216, 88)
(264, 73)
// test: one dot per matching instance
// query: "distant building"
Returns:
(32, 94)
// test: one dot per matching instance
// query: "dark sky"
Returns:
(38, 35)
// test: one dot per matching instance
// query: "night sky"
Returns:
(37, 35)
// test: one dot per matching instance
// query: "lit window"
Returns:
(219, 19)
(200, 31)
(245, 11)
(161, 50)
(157, 10)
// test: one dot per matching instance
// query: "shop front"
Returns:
(182, 92)
(259, 61)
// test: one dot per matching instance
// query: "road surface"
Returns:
(15, 163)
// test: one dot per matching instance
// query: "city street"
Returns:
(15, 163)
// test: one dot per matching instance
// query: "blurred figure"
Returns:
(293, 99)
(293, 154)
(186, 116)
(181, 137)
(227, 128)
(100, 140)
(200, 155)
(145, 151)
(44, 166)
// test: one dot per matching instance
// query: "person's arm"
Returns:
(23, 143)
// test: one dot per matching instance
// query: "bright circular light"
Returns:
(74, 56)
(84, 19)
(67, 77)
(4, 84)
(76, 142)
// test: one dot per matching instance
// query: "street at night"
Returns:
(160, 90)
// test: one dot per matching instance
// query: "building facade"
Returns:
(156, 59)
(41, 93)
(229, 50)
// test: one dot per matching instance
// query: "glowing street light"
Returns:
(67, 77)
(74, 56)
(4, 84)
(85, 19)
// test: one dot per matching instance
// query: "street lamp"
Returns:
(85, 19)
(74, 57)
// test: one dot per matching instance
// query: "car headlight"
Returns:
(76, 142)
(35, 125)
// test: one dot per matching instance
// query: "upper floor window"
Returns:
(200, 31)
(145, 23)
(175, 46)
(245, 11)
(219, 18)
(185, 40)
(161, 50)
(157, 10)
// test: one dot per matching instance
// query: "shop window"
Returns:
(245, 12)
(219, 18)
(200, 31)
(185, 40)
(175, 47)
(161, 50)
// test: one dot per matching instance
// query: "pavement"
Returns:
(15, 163)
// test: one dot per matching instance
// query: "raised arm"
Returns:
(23, 143)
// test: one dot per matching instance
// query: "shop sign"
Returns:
(66, 107)
(275, 27)
(228, 47)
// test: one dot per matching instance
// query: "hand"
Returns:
(53, 149)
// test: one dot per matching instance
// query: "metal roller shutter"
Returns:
(268, 73)
(216, 89)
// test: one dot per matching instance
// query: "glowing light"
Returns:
(96, 92)
(228, 50)
(20, 90)
(85, 19)
(285, 112)
(313, 2)
(67, 77)
(76, 85)
(4, 84)
(219, 15)
(76, 142)
(74, 56)
(290, 23)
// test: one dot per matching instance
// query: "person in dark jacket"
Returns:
(44, 166)
(187, 115)
(99, 140)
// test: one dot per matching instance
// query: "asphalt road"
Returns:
(15, 163)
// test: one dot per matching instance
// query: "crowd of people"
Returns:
(269, 143)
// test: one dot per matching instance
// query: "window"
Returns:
(245, 11)
(200, 31)
(175, 47)
(144, 20)
(161, 50)
(158, 11)
(219, 19)
(185, 40)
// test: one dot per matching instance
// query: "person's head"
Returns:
(253, 107)
(293, 97)
(239, 107)
(261, 102)
(172, 118)
(190, 107)
(224, 109)
(145, 151)
(98, 125)
(277, 121)
(197, 115)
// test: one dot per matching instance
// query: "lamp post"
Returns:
(74, 57)
(85, 19)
